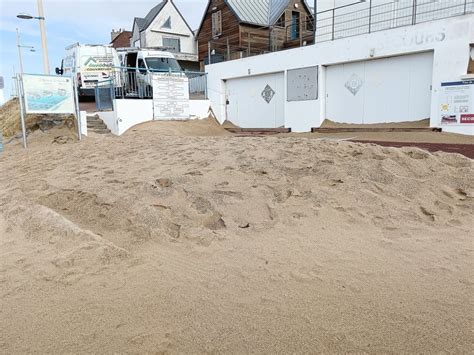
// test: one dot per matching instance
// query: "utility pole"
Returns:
(44, 44)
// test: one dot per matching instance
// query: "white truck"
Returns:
(140, 64)
(92, 65)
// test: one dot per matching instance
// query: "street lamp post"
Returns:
(20, 87)
(44, 44)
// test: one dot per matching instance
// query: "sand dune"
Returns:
(179, 238)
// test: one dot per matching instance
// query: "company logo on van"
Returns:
(98, 63)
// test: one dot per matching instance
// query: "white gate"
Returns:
(392, 89)
(256, 101)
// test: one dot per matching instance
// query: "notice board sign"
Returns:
(457, 103)
(48, 94)
(302, 84)
(170, 97)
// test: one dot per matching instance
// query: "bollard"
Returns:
(1, 143)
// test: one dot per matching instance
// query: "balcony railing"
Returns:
(350, 20)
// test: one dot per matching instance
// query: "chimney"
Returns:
(115, 33)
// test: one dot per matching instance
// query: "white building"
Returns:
(164, 26)
(393, 74)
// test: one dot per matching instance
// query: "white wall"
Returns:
(128, 113)
(449, 40)
(199, 109)
(155, 33)
(84, 123)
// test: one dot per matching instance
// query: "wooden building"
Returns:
(232, 29)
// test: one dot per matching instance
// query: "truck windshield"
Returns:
(162, 64)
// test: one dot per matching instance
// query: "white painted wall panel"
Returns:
(248, 109)
(393, 89)
(448, 38)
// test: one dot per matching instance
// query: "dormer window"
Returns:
(167, 23)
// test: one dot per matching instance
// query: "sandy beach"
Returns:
(181, 238)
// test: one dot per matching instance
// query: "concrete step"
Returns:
(96, 125)
(100, 131)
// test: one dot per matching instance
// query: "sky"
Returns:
(68, 22)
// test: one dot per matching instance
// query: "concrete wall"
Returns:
(128, 113)
(448, 40)
(84, 123)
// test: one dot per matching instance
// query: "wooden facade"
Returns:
(238, 39)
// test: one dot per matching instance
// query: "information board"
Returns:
(170, 97)
(457, 103)
(302, 84)
(48, 94)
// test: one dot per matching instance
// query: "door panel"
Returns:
(247, 108)
(392, 89)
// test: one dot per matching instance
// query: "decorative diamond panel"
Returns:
(268, 94)
(354, 84)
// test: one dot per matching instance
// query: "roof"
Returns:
(140, 23)
(152, 14)
(144, 23)
(257, 12)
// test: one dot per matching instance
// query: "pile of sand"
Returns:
(10, 123)
(205, 127)
(409, 124)
(178, 242)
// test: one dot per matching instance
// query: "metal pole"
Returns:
(414, 12)
(22, 109)
(78, 110)
(269, 26)
(44, 44)
(333, 19)
(209, 52)
(314, 20)
(370, 16)
(19, 50)
(465, 7)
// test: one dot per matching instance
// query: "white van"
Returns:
(91, 64)
(140, 64)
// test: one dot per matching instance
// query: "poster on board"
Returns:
(457, 103)
(170, 97)
(48, 94)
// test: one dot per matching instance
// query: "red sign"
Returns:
(467, 118)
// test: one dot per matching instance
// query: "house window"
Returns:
(217, 23)
(172, 44)
(167, 23)
(281, 21)
(308, 23)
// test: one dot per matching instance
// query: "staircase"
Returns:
(96, 125)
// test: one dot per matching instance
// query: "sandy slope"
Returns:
(186, 243)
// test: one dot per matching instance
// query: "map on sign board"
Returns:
(48, 94)
(457, 103)
(170, 97)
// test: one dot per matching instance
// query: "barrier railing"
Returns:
(354, 19)
(137, 82)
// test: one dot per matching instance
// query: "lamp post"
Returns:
(44, 44)
(18, 44)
